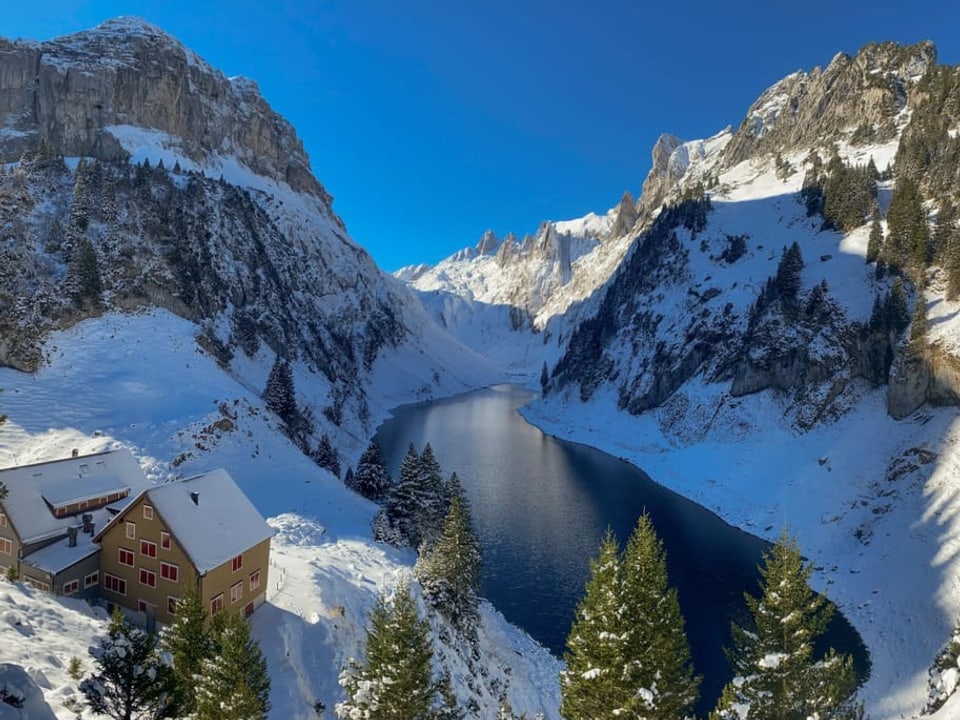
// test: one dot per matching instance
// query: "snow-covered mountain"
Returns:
(182, 189)
(147, 289)
(778, 406)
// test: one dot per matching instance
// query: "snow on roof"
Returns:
(59, 556)
(72, 491)
(216, 526)
(31, 487)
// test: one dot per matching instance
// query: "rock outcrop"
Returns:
(72, 94)
(807, 109)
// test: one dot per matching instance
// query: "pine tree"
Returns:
(189, 643)
(449, 573)
(371, 479)
(415, 507)
(788, 272)
(951, 263)
(907, 231)
(544, 377)
(876, 237)
(919, 324)
(395, 681)
(776, 674)
(326, 455)
(658, 669)
(898, 316)
(131, 680)
(279, 394)
(447, 709)
(434, 498)
(591, 686)
(233, 682)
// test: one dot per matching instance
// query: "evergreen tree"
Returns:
(83, 274)
(788, 272)
(658, 669)
(131, 680)
(592, 685)
(448, 709)
(876, 237)
(951, 263)
(907, 232)
(326, 455)
(189, 643)
(946, 225)
(233, 682)
(919, 324)
(279, 394)
(449, 572)
(897, 314)
(544, 377)
(776, 674)
(395, 681)
(371, 479)
(415, 507)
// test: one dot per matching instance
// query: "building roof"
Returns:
(33, 490)
(210, 517)
(59, 556)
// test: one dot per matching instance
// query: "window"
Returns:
(236, 591)
(6, 546)
(148, 548)
(91, 579)
(216, 605)
(148, 512)
(131, 530)
(237, 562)
(3, 520)
(125, 557)
(172, 603)
(148, 578)
(69, 588)
(37, 585)
(254, 580)
(165, 540)
(146, 607)
(115, 584)
(170, 572)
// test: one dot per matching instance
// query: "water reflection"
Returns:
(541, 507)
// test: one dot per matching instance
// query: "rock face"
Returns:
(810, 108)
(67, 94)
(257, 260)
(916, 378)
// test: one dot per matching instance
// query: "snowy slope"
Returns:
(873, 501)
(140, 381)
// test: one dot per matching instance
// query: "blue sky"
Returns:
(430, 122)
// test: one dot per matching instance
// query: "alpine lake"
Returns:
(541, 506)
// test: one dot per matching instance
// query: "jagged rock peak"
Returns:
(665, 170)
(489, 243)
(85, 94)
(625, 216)
(806, 109)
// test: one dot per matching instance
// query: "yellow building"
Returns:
(201, 533)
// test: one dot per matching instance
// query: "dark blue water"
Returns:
(541, 507)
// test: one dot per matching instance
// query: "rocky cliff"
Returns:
(133, 174)
(76, 94)
(697, 300)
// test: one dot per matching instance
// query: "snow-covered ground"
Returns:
(139, 380)
(875, 503)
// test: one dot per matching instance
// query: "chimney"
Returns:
(72, 536)
(87, 519)
(195, 496)
(75, 452)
